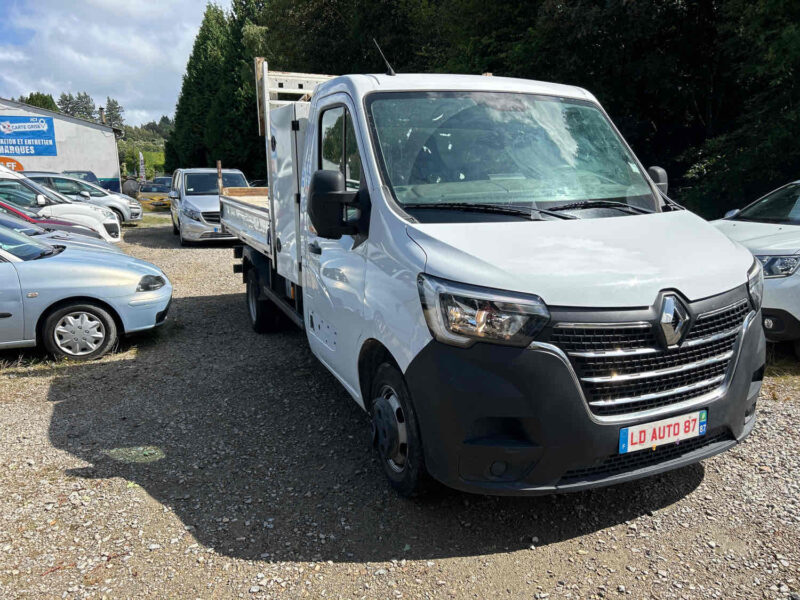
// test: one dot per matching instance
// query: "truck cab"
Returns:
(493, 276)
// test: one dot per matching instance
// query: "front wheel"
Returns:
(79, 332)
(174, 227)
(396, 432)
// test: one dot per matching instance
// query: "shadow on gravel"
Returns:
(262, 454)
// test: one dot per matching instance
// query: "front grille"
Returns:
(624, 463)
(215, 235)
(112, 229)
(211, 217)
(623, 369)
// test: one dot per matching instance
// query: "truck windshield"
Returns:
(514, 149)
(781, 206)
(201, 184)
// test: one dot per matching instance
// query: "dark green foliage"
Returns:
(39, 99)
(114, 113)
(706, 89)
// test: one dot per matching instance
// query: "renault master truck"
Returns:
(493, 276)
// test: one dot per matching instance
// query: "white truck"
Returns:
(497, 281)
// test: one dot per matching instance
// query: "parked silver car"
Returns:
(76, 303)
(127, 209)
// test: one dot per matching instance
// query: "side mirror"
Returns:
(732, 213)
(173, 195)
(85, 195)
(327, 199)
(41, 200)
(659, 177)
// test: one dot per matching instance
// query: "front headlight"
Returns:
(779, 266)
(191, 213)
(150, 283)
(461, 315)
(755, 284)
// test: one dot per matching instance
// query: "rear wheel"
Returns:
(265, 317)
(396, 432)
(79, 332)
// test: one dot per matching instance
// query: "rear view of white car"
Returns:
(18, 190)
(770, 229)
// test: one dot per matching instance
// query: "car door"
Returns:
(334, 270)
(11, 317)
(174, 203)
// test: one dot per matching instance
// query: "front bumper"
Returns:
(197, 231)
(782, 308)
(145, 310)
(136, 213)
(510, 421)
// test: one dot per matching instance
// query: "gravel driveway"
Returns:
(206, 461)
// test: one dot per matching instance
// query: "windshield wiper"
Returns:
(45, 253)
(603, 204)
(490, 208)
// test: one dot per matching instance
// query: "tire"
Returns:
(174, 227)
(84, 323)
(265, 317)
(797, 349)
(409, 478)
(120, 216)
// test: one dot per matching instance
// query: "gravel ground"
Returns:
(205, 461)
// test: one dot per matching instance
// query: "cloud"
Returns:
(135, 52)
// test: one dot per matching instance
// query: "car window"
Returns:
(93, 191)
(14, 192)
(22, 246)
(781, 206)
(65, 186)
(198, 184)
(339, 147)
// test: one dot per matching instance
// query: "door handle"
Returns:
(4, 315)
(314, 248)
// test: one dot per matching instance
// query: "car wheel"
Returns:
(120, 216)
(174, 227)
(797, 349)
(79, 332)
(265, 317)
(395, 432)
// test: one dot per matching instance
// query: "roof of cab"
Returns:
(360, 85)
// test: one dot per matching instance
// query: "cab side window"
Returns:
(93, 192)
(339, 147)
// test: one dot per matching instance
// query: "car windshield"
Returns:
(20, 226)
(780, 206)
(526, 151)
(200, 184)
(22, 246)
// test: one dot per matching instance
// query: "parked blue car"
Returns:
(75, 303)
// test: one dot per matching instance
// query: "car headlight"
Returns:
(461, 315)
(150, 283)
(192, 213)
(755, 283)
(779, 266)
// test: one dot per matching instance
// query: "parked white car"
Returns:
(194, 203)
(18, 190)
(770, 229)
(127, 209)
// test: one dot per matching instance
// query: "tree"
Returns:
(66, 104)
(84, 107)
(114, 113)
(39, 99)
(204, 72)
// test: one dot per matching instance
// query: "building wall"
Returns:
(79, 144)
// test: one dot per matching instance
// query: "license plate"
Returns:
(665, 431)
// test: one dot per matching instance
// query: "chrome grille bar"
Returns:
(652, 396)
(659, 372)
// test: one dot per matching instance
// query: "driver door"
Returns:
(333, 290)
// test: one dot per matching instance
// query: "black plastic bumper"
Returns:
(501, 420)
(780, 325)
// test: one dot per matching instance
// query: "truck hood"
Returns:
(762, 238)
(209, 203)
(618, 262)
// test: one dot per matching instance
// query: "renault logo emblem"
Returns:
(674, 320)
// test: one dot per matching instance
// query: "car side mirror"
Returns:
(327, 199)
(659, 177)
(173, 195)
(732, 213)
(84, 194)
(41, 200)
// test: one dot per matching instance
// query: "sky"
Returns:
(134, 51)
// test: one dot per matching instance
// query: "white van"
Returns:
(492, 275)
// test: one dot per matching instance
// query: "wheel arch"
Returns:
(77, 300)
(372, 354)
